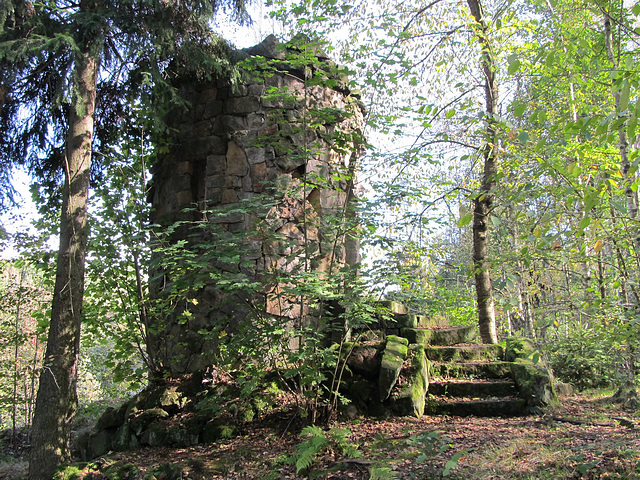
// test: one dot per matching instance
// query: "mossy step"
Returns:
(392, 306)
(477, 369)
(464, 352)
(500, 407)
(474, 388)
(441, 336)
(393, 315)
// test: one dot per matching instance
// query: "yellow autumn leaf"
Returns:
(598, 246)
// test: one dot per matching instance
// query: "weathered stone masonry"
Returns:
(286, 135)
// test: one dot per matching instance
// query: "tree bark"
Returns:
(57, 398)
(483, 201)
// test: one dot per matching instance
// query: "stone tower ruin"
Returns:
(267, 163)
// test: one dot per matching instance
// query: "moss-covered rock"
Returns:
(183, 436)
(531, 373)
(154, 435)
(535, 382)
(393, 357)
(409, 400)
(141, 420)
(111, 418)
(216, 430)
(518, 347)
(99, 443)
(124, 439)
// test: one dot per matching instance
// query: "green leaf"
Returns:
(551, 59)
(465, 220)
(523, 137)
(519, 109)
(450, 113)
(514, 67)
(590, 201)
(584, 223)
(453, 463)
(625, 91)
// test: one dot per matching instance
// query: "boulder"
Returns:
(365, 360)
(155, 435)
(99, 443)
(535, 382)
(531, 373)
(124, 439)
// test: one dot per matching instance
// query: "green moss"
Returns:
(154, 435)
(71, 472)
(518, 347)
(411, 398)
(122, 471)
(396, 339)
(216, 430)
(535, 382)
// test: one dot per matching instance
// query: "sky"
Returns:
(19, 219)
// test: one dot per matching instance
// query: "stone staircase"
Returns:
(465, 377)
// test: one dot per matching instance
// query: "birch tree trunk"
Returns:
(483, 202)
(57, 398)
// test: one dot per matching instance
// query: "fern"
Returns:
(317, 441)
(340, 437)
(308, 450)
(382, 473)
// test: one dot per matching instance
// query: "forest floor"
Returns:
(587, 437)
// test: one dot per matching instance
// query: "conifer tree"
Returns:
(64, 66)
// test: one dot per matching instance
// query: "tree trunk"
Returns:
(621, 98)
(627, 392)
(57, 398)
(483, 201)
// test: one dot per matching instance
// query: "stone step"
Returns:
(464, 352)
(494, 407)
(421, 321)
(473, 388)
(477, 369)
(441, 335)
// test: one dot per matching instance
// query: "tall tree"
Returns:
(483, 200)
(57, 398)
(51, 57)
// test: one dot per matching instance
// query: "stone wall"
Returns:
(272, 156)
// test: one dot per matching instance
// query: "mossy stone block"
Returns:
(99, 443)
(140, 422)
(394, 307)
(410, 400)
(155, 435)
(124, 439)
(535, 382)
(518, 347)
(392, 359)
(397, 339)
